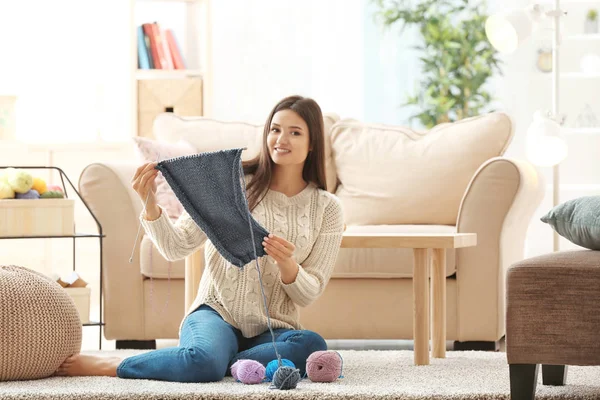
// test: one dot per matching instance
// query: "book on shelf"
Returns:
(158, 48)
(178, 62)
(144, 59)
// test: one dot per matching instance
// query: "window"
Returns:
(68, 63)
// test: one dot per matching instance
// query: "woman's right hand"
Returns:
(144, 184)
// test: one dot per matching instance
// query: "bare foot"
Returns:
(80, 365)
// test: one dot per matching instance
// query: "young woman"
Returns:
(227, 322)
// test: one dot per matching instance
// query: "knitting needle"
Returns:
(140, 225)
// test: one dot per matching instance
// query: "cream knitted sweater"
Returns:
(312, 220)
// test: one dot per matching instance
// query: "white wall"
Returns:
(264, 50)
(333, 51)
(68, 69)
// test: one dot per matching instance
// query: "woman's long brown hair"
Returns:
(261, 166)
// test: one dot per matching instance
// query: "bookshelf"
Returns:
(186, 91)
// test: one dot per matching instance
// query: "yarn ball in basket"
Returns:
(20, 180)
(29, 195)
(6, 191)
(52, 194)
(274, 364)
(39, 324)
(249, 372)
(40, 185)
(324, 366)
(55, 188)
(4, 173)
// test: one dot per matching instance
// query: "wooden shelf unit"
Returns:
(196, 50)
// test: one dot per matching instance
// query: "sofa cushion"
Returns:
(208, 134)
(395, 175)
(154, 265)
(386, 263)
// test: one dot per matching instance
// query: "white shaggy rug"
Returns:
(367, 375)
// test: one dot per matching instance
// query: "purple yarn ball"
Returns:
(249, 372)
(324, 366)
(29, 195)
(234, 369)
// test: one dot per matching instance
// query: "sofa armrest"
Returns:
(106, 188)
(498, 205)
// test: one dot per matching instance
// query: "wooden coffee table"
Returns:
(421, 243)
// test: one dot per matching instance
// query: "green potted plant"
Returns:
(457, 58)
(591, 21)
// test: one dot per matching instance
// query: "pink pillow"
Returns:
(147, 150)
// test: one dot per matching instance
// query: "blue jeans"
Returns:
(209, 346)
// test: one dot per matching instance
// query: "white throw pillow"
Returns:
(207, 134)
(147, 150)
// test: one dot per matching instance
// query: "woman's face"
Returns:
(288, 139)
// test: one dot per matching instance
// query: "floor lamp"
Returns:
(545, 147)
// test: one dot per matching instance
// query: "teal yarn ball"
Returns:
(273, 365)
(286, 378)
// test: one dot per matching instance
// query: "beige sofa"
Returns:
(389, 178)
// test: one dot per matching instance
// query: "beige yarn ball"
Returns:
(39, 325)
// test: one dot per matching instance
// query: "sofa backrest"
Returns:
(208, 134)
(395, 175)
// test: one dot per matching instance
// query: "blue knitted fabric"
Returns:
(211, 188)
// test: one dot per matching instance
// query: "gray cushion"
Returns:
(577, 220)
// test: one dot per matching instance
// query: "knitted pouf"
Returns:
(39, 325)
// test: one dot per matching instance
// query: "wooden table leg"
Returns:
(438, 306)
(421, 307)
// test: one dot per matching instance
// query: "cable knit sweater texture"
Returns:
(312, 220)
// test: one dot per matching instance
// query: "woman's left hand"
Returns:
(280, 250)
